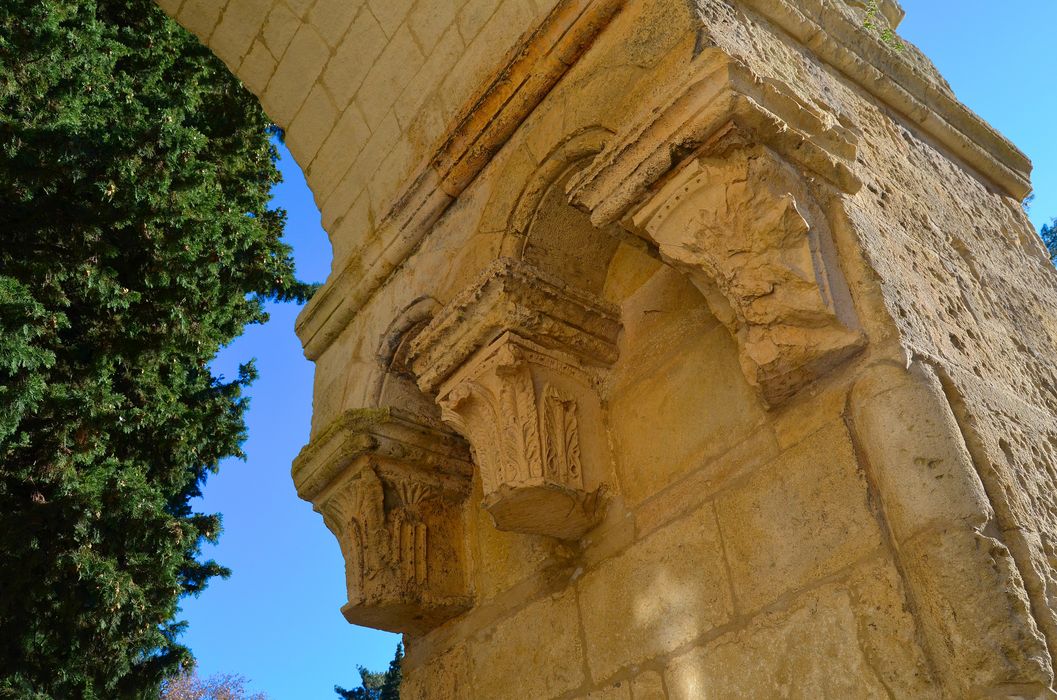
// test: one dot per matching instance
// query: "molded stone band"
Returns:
(529, 73)
(513, 296)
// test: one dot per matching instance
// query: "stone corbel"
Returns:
(734, 208)
(391, 491)
(735, 227)
(514, 362)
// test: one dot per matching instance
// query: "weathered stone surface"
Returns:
(543, 636)
(446, 676)
(529, 407)
(766, 269)
(666, 590)
(390, 489)
(800, 518)
(823, 645)
(735, 225)
(648, 686)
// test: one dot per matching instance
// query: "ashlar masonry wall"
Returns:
(672, 348)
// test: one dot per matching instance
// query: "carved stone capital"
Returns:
(514, 296)
(390, 489)
(735, 208)
(513, 362)
(736, 227)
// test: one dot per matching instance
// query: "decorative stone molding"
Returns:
(900, 80)
(738, 215)
(528, 73)
(514, 296)
(721, 104)
(390, 489)
(735, 227)
(889, 12)
(513, 361)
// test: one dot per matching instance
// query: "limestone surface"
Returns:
(671, 349)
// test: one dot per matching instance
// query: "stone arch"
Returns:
(367, 92)
(393, 385)
(517, 206)
(536, 222)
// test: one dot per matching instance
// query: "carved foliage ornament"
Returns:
(520, 389)
(739, 214)
(519, 404)
(390, 489)
(734, 225)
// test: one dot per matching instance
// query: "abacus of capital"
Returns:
(671, 349)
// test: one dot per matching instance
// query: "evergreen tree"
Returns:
(135, 240)
(1049, 237)
(377, 686)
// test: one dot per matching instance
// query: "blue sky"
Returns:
(276, 620)
(1001, 60)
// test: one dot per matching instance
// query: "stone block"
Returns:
(703, 483)
(338, 151)
(543, 636)
(800, 518)
(353, 226)
(974, 609)
(632, 267)
(354, 57)
(279, 29)
(392, 71)
(504, 559)
(430, 19)
(200, 17)
(923, 471)
(648, 686)
(666, 590)
(617, 690)
(355, 179)
(420, 91)
(446, 675)
(301, 64)
(681, 415)
(257, 68)
(809, 651)
(311, 126)
(391, 174)
(390, 13)
(332, 17)
(473, 15)
(238, 28)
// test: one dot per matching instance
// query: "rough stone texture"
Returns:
(544, 636)
(667, 590)
(783, 419)
(819, 646)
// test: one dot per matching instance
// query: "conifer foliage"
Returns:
(135, 240)
(375, 685)
(1049, 238)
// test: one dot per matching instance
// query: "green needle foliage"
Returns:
(135, 240)
(377, 686)
(1049, 237)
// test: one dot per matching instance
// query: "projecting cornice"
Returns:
(530, 71)
(889, 75)
(825, 27)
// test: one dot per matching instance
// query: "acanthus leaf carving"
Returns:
(391, 490)
(737, 209)
(562, 444)
(521, 382)
(735, 226)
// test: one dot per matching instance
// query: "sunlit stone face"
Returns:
(671, 349)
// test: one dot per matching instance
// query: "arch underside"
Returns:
(661, 324)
